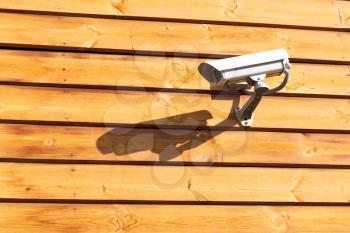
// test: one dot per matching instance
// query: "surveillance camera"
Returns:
(248, 71)
(240, 69)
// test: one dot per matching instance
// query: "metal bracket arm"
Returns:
(245, 115)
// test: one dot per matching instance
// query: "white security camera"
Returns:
(244, 72)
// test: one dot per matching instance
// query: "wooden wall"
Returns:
(107, 126)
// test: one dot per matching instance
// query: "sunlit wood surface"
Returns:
(107, 126)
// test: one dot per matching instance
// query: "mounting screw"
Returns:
(288, 65)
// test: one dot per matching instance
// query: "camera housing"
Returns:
(246, 71)
(239, 69)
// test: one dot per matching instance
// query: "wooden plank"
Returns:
(140, 71)
(62, 218)
(344, 12)
(135, 145)
(167, 109)
(311, 13)
(173, 183)
(34, 31)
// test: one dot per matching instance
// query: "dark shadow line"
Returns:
(68, 49)
(187, 203)
(175, 20)
(173, 127)
(164, 90)
(174, 163)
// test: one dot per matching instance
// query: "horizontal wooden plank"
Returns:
(113, 35)
(62, 218)
(140, 71)
(181, 146)
(344, 12)
(173, 183)
(313, 13)
(167, 109)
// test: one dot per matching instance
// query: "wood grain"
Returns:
(73, 218)
(313, 13)
(173, 183)
(42, 182)
(139, 71)
(344, 12)
(113, 35)
(167, 109)
(182, 146)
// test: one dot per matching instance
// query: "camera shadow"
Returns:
(167, 143)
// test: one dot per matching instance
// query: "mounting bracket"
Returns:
(244, 115)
